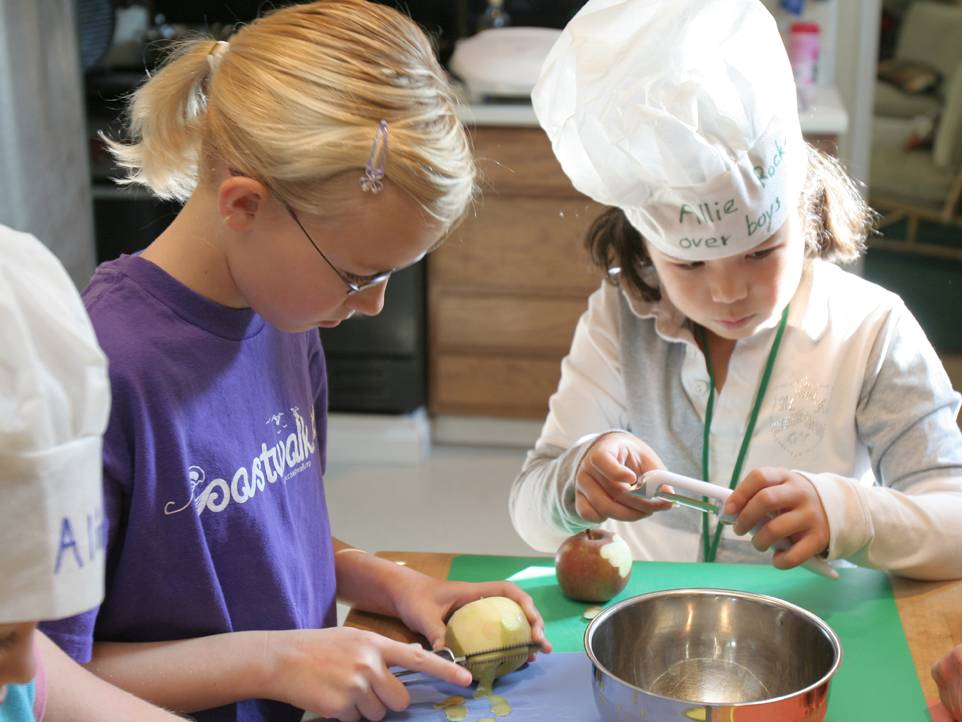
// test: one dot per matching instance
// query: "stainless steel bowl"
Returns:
(711, 654)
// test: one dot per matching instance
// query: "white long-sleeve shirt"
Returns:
(858, 402)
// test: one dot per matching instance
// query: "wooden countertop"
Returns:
(931, 613)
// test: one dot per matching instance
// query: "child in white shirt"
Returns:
(727, 346)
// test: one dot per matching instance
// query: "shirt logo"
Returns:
(288, 456)
(797, 422)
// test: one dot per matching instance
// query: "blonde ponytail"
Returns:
(165, 118)
(295, 101)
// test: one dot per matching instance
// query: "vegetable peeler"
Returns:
(649, 486)
(487, 656)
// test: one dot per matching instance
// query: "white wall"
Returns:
(858, 20)
(43, 153)
(849, 48)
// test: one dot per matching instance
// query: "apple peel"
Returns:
(618, 555)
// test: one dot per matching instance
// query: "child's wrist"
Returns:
(372, 583)
(276, 657)
(398, 581)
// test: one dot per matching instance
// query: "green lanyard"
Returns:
(710, 546)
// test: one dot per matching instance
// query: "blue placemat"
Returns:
(554, 688)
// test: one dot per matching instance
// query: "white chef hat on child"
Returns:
(54, 401)
(682, 113)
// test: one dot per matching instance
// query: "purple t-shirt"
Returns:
(213, 473)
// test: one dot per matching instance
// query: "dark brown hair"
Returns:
(836, 221)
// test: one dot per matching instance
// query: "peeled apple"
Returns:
(489, 623)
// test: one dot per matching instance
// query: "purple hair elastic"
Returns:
(373, 178)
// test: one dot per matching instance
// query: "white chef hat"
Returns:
(54, 401)
(682, 113)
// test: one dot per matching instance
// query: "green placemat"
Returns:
(877, 679)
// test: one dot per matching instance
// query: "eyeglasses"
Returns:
(354, 282)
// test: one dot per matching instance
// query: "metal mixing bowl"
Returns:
(711, 654)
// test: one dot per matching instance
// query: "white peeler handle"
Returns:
(656, 478)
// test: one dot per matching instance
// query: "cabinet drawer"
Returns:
(520, 245)
(519, 161)
(493, 386)
(505, 324)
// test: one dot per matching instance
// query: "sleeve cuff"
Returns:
(850, 527)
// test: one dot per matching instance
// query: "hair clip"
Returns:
(216, 54)
(373, 178)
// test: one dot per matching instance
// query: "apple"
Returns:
(490, 623)
(593, 565)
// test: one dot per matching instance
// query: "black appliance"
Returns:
(378, 364)
(444, 20)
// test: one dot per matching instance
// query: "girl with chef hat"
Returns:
(726, 345)
(317, 152)
(54, 400)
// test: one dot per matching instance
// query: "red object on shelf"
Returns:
(804, 27)
(803, 52)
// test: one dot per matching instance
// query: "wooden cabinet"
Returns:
(506, 290)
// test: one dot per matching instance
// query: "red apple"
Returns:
(593, 565)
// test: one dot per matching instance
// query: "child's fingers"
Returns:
(644, 461)
(585, 508)
(434, 631)
(611, 501)
(937, 672)
(801, 551)
(947, 673)
(646, 506)
(422, 660)
(767, 501)
(351, 715)
(389, 692)
(595, 494)
(371, 707)
(604, 464)
(788, 525)
(949, 668)
(754, 481)
(795, 537)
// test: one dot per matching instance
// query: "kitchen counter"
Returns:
(827, 116)
(931, 613)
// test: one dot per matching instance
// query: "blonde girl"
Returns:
(317, 152)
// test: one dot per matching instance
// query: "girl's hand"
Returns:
(609, 468)
(342, 673)
(796, 511)
(947, 673)
(424, 604)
